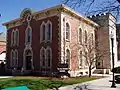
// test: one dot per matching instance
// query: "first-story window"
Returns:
(14, 59)
(42, 57)
(49, 56)
(67, 56)
(80, 58)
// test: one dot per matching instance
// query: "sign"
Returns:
(17, 88)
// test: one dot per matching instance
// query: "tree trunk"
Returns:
(90, 71)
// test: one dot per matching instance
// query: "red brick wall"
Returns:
(36, 46)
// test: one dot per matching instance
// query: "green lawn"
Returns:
(40, 83)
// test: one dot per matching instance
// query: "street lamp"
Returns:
(112, 43)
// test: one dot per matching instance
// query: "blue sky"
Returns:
(11, 9)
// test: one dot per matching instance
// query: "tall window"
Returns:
(42, 32)
(16, 58)
(13, 37)
(42, 57)
(67, 31)
(12, 58)
(80, 58)
(85, 36)
(80, 35)
(28, 35)
(16, 37)
(49, 57)
(86, 58)
(67, 56)
(92, 38)
(49, 31)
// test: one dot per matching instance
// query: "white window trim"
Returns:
(48, 48)
(26, 34)
(48, 22)
(41, 31)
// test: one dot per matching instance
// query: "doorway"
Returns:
(28, 60)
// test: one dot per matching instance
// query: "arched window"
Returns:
(13, 37)
(80, 58)
(67, 31)
(49, 56)
(49, 31)
(12, 58)
(85, 36)
(86, 58)
(16, 58)
(28, 35)
(92, 39)
(42, 32)
(67, 56)
(42, 57)
(80, 35)
(17, 37)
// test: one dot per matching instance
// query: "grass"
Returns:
(40, 83)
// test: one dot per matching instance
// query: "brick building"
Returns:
(43, 41)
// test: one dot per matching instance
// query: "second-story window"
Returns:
(80, 35)
(13, 37)
(67, 31)
(85, 36)
(28, 35)
(49, 31)
(16, 37)
(42, 32)
(92, 41)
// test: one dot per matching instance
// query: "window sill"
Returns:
(67, 40)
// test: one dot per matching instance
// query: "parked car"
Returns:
(117, 78)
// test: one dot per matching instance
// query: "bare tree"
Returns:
(94, 6)
(91, 52)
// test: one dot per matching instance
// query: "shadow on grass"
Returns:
(32, 84)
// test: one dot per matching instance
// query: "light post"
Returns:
(112, 43)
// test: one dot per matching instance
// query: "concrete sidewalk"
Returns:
(99, 84)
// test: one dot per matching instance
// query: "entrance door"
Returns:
(28, 60)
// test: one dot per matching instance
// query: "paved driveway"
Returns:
(99, 84)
